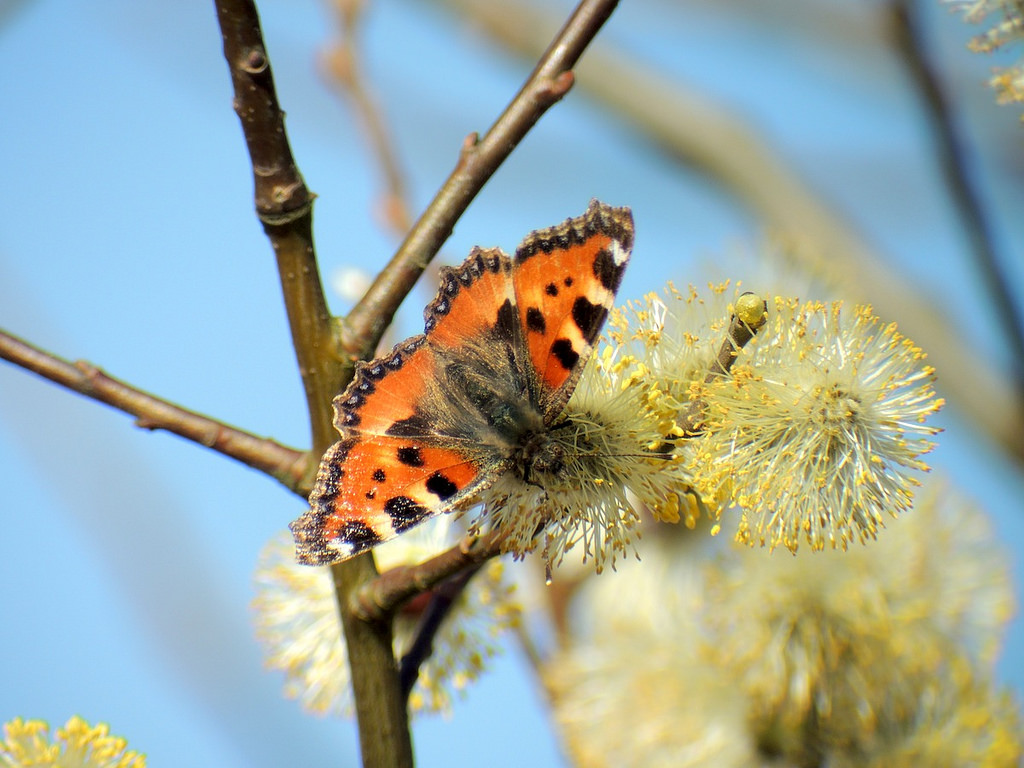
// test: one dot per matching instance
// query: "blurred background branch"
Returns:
(952, 157)
(343, 67)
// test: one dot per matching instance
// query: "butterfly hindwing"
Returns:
(370, 489)
(565, 281)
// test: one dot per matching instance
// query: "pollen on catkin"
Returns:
(623, 433)
(76, 745)
(616, 460)
(818, 428)
(673, 339)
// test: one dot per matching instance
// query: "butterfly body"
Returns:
(441, 417)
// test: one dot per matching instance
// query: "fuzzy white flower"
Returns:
(631, 688)
(879, 656)
(960, 720)
(843, 646)
(815, 432)
(296, 618)
(628, 701)
(614, 452)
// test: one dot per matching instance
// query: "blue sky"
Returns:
(130, 241)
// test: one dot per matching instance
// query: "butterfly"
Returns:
(428, 426)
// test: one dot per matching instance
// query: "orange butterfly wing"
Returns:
(566, 278)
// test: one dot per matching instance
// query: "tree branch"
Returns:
(441, 603)
(284, 464)
(284, 206)
(479, 159)
(378, 599)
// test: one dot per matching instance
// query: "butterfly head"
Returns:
(539, 458)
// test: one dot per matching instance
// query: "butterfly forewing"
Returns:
(402, 458)
(470, 299)
(565, 281)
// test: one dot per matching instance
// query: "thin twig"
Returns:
(342, 65)
(284, 205)
(284, 464)
(380, 598)
(702, 134)
(442, 600)
(479, 159)
(531, 651)
(952, 154)
(748, 320)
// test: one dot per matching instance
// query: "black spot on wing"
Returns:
(379, 475)
(452, 280)
(589, 317)
(358, 535)
(328, 484)
(607, 271)
(410, 455)
(404, 512)
(562, 236)
(311, 548)
(366, 378)
(616, 223)
(356, 394)
(551, 289)
(441, 486)
(506, 320)
(414, 426)
(564, 353)
(494, 261)
(535, 320)
(472, 268)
